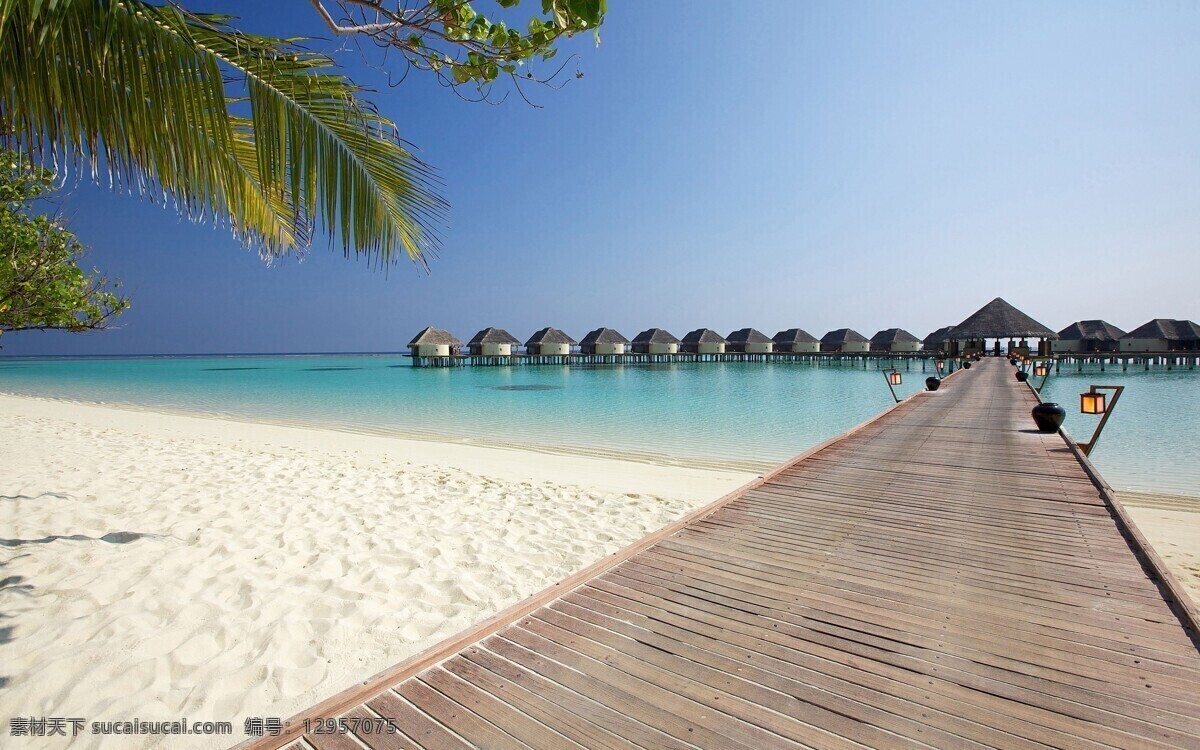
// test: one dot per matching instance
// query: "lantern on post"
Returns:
(1094, 401)
(1041, 370)
(893, 379)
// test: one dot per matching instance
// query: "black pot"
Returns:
(1012, 361)
(1049, 417)
(967, 365)
(933, 383)
(1022, 376)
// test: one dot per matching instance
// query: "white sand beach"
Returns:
(1171, 523)
(164, 566)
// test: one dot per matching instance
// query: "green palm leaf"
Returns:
(243, 130)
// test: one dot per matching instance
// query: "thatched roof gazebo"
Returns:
(655, 341)
(1163, 335)
(492, 342)
(1000, 320)
(936, 341)
(704, 341)
(434, 342)
(603, 341)
(845, 340)
(1089, 336)
(749, 341)
(549, 342)
(796, 340)
(895, 340)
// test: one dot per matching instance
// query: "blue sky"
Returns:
(864, 164)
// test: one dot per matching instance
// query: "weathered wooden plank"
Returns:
(476, 731)
(378, 737)
(574, 726)
(932, 690)
(423, 729)
(640, 700)
(910, 707)
(604, 703)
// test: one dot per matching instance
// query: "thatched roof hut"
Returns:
(1091, 330)
(603, 341)
(655, 341)
(1089, 336)
(895, 340)
(844, 340)
(437, 336)
(704, 341)
(604, 336)
(747, 335)
(704, 336)
(494, 336)
(492, 342)
(842, 336)
(795, 340)
(1162, 335)
(750, 341)
(936, 341)
(434, 342)
(550, 336)
(655, 336)
(1000, 320)
(549, 341)
(1165, 328)
(794, 336)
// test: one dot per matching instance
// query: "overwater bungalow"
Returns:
(492, 342)
(549, 342)
(796, 340)
(999, 320)
(703, 341)
(749, 341)
(603, 341)
(895, 340)
(1089, 336)
(1163, 335)
(434, 342)
(845, 340)
(655, 341)
(936, 341)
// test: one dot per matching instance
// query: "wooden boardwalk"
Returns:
(941, 577)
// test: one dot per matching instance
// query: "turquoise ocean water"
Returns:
(735, 415)
(1152, 440)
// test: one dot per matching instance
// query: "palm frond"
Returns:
(245, 130)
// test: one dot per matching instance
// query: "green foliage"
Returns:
(462, 42)
(247, 130)
(42, 286)
(254, 132)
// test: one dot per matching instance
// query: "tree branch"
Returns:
(368, 28)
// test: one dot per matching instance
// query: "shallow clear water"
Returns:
(1152, 440)
(752, 415)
